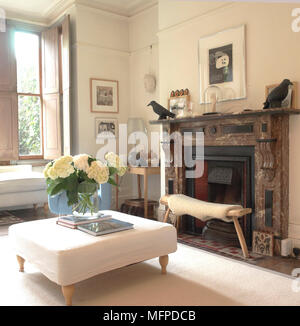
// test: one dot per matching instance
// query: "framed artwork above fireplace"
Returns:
(222, 65)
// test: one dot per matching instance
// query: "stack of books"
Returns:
(73, 222)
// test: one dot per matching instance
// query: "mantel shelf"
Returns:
(220, 116)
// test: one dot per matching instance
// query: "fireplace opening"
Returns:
(228, 178)
(225, 182)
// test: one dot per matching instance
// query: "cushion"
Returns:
(16, 168)
(67, 256)
(181, 205)
(12, 182)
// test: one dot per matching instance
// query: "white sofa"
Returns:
(20, 186)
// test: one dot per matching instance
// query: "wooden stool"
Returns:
(234, 214)
(136, 207)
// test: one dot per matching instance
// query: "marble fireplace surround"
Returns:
(268, 132)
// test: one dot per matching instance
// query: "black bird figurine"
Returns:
(277, 95)
(161, 111)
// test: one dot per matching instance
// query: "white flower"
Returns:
(61, 168)
(114, 161)
(122, 170)
(81, 162)
(99, 172)
(52, 173)
(46, 169)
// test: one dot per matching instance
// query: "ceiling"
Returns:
(43, 11)
(122, 7)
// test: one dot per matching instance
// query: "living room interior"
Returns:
(177, 118)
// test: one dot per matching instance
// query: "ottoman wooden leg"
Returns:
(163, 260)
(68, 293)
(21, 262)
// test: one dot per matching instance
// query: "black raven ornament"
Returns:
(161, 111)
(278, 94)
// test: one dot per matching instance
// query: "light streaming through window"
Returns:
(29, 94)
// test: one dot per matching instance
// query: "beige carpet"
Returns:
(194, 277)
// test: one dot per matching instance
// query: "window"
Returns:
(35, 115)
(28, 58)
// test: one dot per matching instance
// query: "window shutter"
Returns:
(66, 84)
(51, 95)
(8, 98)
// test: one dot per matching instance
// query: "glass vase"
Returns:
(88, 205)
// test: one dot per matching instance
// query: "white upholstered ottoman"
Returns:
(68, 256)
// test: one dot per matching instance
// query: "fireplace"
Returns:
(256, 142)
(228, 178)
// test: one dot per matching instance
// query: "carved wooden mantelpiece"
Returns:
(268, 132)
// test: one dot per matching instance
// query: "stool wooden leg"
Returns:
(178, 218)
(163, 260)
(35, 206)
(167, 215)
(68, 292)
(241, 237)
(21, 262)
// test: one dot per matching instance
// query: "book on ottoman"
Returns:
(72, 221)
(106, 226)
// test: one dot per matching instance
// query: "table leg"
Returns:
(46, 208)
(117, 193)
(139, 186)
(68, 292)
(146, 194)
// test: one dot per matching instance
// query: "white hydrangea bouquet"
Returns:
(80, 177)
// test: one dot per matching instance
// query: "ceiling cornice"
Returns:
(25, 17)
(45, 18)
(101, 11)
(59, 7)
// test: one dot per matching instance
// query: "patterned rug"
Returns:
(214, 246)
(7, 218)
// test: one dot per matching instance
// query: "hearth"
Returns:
(228, 178)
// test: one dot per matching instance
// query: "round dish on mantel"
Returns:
(150, 83)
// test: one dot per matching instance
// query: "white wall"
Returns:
(113, 47)
(143, 28)
(101, 51)
(272, 51)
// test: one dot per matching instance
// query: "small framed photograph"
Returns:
(263, 243)
(104, 95)
(222, 64)
(178, 104)
(291, 100)
(106, 127)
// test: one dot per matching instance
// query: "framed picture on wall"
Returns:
(104, 95)
(106, 127)
(222, 65)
